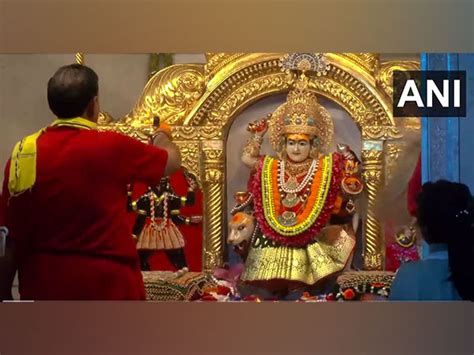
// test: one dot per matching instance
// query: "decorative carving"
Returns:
(342, 95)
(217, 61)
(372, 157)
(385, 74)
(372, 176)
(214, 223)
(246, 94)
(254, 79)
(134, 132)
(374, 242)
(212, 259)
(214, 176)
(393, 153)
(245, 69)
(314, 62)
(105, 119)
(190, 157)
(213, 155)
(380, 108)
(214, 217)
(373, 261)
(196, 133)
(278, 82)
(170, 94)
(369, 61)
(380, 132)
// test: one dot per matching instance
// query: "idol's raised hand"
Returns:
(258, 127)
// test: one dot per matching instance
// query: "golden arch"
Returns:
(346, 83)
(201, 102)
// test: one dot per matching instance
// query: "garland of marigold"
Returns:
(314, 205)
(319, 205)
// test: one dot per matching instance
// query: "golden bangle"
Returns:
(252, 148)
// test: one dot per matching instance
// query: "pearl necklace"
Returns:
(242, 206)
(309, 176)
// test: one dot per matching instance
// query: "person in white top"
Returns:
(445, 215)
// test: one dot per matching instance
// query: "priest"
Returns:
(66, 188)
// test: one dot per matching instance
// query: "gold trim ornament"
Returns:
(355, 285)
(315, 62)
(406, 237)
(352, 185)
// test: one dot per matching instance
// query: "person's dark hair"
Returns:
(71, 89)
(446, 215)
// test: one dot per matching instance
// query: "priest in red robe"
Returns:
(66, 193)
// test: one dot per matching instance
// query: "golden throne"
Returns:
(201, 101)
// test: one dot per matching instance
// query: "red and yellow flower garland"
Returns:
(320, 204)
(314, 205)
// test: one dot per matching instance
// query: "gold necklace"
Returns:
(296, 169)
(289, 189)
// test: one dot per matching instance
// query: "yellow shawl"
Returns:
(23, 160)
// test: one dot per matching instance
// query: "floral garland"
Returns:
(355, 292)
(362, 285)
(311, 222)
(316, 200)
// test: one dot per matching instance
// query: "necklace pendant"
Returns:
(287, 219)
(290, 200)
(292, 183)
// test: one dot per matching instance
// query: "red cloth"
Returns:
(71, 233)
(414, 187)
(395, 255)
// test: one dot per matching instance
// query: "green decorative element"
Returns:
(372, 145)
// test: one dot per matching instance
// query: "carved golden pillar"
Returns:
(80, 58)
(213, 189)
(374, 243)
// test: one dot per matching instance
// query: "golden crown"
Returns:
(302, 113)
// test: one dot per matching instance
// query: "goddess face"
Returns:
(298, 147)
